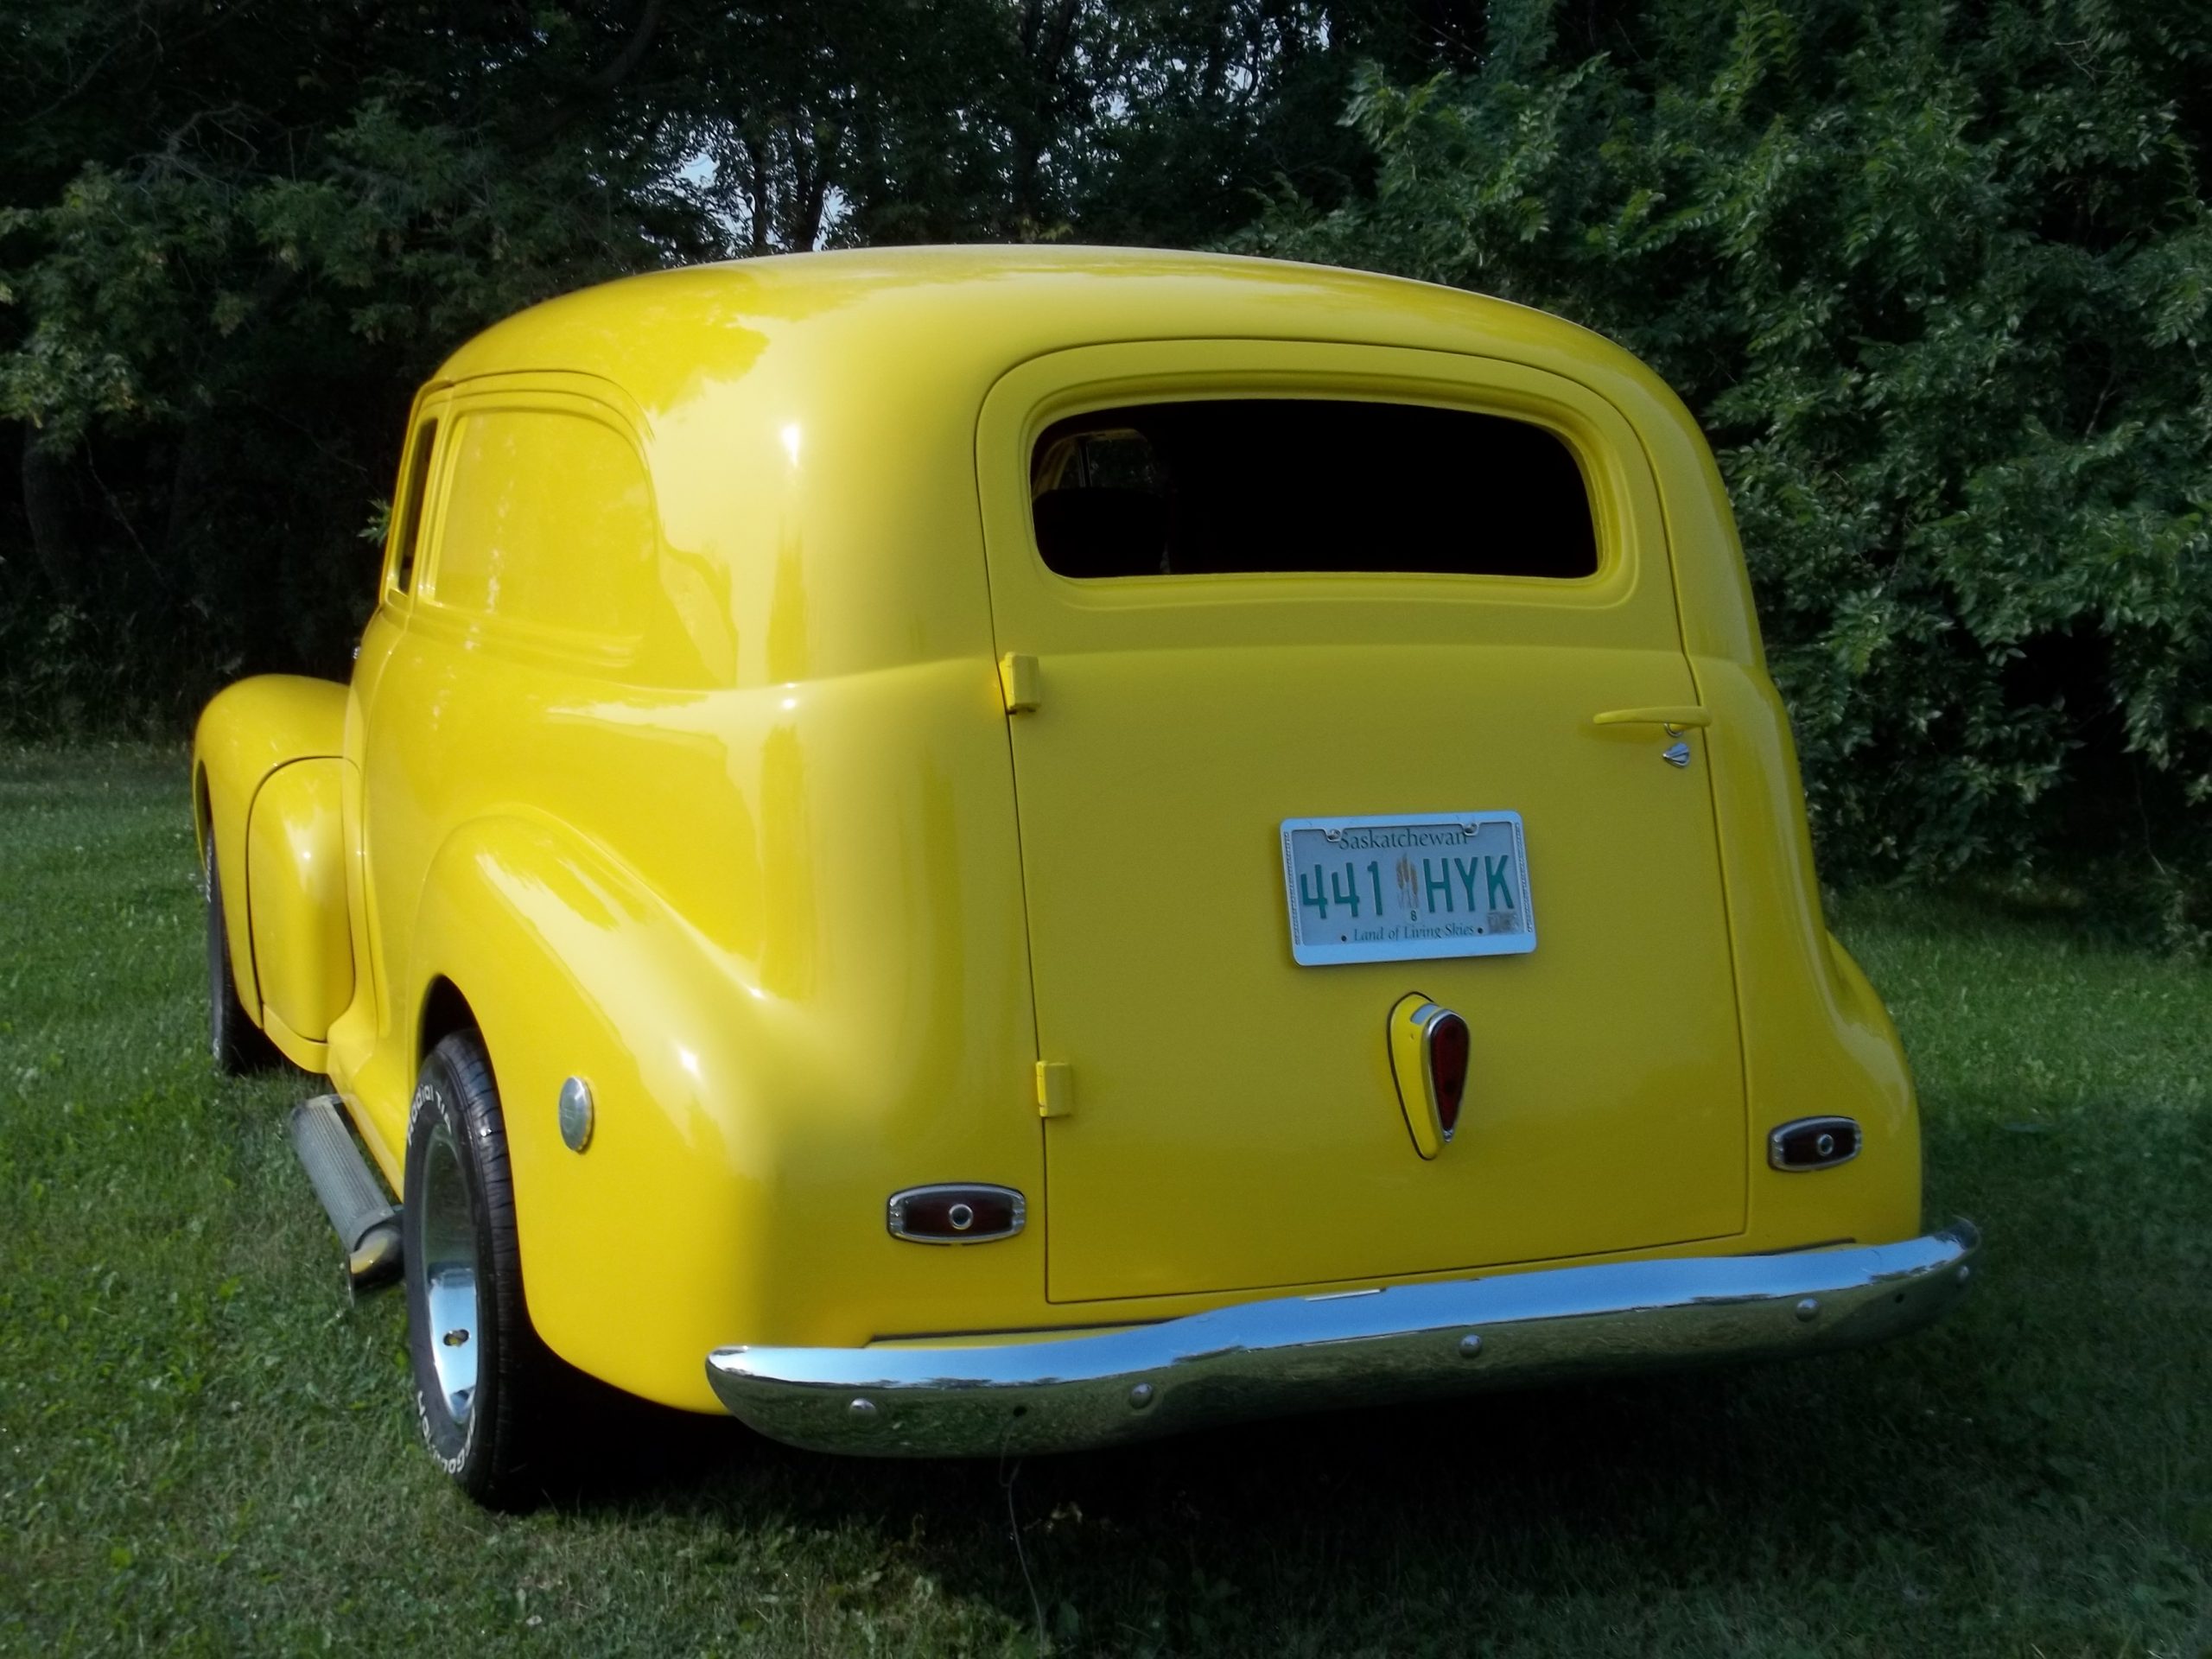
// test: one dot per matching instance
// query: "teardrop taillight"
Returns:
(1430, 1049)
(1447, 1067)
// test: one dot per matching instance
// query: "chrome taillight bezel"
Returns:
(1797, 1148)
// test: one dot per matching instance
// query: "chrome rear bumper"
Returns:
(1303, 1353)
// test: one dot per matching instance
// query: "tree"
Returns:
(236, 237)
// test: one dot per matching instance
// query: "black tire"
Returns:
(490, 1423)
(238, 1045)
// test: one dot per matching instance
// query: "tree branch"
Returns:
(601, 81)
(633, 53)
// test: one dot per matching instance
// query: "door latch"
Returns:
(1018, 682)
(1674, 720)
(1055, 1089)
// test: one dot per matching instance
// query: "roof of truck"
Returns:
(911, 334)
(942, 307)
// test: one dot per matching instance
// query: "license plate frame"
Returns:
(1494, 841)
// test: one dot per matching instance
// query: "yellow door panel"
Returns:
(1235, 1124)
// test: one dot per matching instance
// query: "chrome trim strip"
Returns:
(1303, 1353)
(894, 1212)
(1781, 1131)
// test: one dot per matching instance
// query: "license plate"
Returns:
(1411, 888)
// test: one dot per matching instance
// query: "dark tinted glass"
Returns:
(410, 522)
(1287, 485)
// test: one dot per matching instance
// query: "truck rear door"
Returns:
(1248, 585)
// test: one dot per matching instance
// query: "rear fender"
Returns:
(745, 1139)
(633, 1254)
(1817, 1040)
(247, 733)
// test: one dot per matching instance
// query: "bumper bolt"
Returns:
(863, 1409)
(1808, 1311)
(1140, 1396)
(1470, 1345)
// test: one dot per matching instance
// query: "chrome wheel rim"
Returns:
(449, 1277)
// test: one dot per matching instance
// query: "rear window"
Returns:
(1288, 485)
(410, 508)
(549, 522)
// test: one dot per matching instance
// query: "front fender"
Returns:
(247, 732)
(296, 882)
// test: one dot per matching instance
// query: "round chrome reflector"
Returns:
(575, 1114)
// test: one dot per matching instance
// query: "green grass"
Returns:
(203, 1446)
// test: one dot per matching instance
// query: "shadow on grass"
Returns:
(1849, 1476)
(1719, 1477)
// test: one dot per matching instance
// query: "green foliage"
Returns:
(233, 242)
(1936, 281)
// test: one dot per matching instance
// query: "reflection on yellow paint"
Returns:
(787, 640)
(787, 862)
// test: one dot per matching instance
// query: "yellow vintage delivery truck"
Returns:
(959, 851)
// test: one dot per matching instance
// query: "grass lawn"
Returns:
(204, 1447)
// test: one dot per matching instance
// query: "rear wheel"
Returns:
(487, 1393)
(238, 1045)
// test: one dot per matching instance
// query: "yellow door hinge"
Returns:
(1018, 680)
(1055, 1089)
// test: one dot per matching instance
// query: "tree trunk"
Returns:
(54, 504)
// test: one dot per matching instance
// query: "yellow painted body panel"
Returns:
(1207, 710)
(708, 791)
(248, 733)
(296, 877)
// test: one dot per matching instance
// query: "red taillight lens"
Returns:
(1447, 1068)
(956, 1214)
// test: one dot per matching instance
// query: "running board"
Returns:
(352, 1196)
